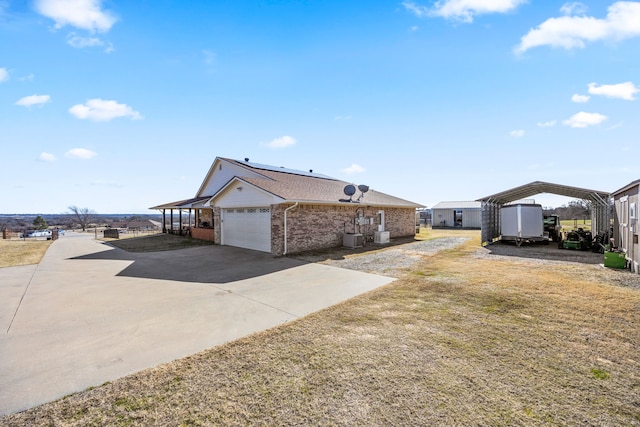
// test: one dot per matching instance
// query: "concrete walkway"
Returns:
(90, 313)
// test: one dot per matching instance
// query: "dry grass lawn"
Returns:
(459, 340)
(22, 252)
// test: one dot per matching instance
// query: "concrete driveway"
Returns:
(90, 313)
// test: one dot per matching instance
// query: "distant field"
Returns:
(570, 224)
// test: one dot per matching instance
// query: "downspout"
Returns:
(285, 227)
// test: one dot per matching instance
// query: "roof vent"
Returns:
(246, 159)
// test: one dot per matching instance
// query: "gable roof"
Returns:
(458, 205)
(268, 168)
(290, 185)
(292, 188)
(309, 187)
(626, 187)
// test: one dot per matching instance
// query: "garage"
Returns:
(491, 218)
(248, 228)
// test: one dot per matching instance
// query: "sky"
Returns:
(117, 106)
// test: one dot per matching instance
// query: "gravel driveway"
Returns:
(392, 261)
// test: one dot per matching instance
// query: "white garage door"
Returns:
(248, 228)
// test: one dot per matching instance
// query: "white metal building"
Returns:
(457, 215)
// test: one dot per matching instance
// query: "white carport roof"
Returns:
(537, 187)
(600, 202)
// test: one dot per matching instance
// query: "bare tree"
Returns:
(82, 215)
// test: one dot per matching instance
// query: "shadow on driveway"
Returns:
(203, 264)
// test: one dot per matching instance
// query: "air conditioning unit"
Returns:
(352, 240)
(381, 237)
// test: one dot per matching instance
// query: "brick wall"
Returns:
(311, 227)
(217, 232)
(203, 233)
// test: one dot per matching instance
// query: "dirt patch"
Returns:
(549, 252)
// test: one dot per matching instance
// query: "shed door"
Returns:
(248, 228)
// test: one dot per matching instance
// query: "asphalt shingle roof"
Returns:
(308, 187)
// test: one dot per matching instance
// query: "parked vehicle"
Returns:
(36, 233)
(522, 223)
(553, 227)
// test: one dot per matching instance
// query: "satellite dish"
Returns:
(349, 190)
(363, 188)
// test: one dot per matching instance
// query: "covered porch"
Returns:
(190, 217)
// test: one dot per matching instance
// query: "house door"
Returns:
(248, 228)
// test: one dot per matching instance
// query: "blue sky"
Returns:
(121, 105)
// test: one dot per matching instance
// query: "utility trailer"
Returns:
(522, 223)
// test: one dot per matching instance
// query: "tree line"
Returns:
(76, 218)
(575, 209)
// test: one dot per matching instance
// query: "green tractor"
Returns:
(577, 239)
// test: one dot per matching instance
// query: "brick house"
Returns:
(283, 211)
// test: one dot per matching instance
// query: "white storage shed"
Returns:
(466, 215)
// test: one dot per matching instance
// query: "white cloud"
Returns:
(583, 120)
(339, 118)
(354, 168)
(548, 124)
(80, 153)
(624, 90)
(463, 10)
(575, 8)
(47, 157)
(568, 32)
(517, 133)
(85, 14)
(101, 110)
(32, 100)
(4, 75)
(79, 42)
(580, 98)
(419, 11)
(27, 78)
(282, 142)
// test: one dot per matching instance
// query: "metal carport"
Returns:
(599, 201)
